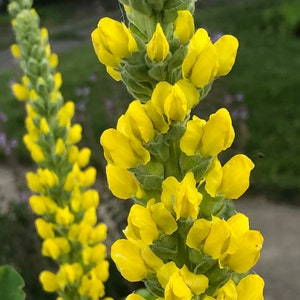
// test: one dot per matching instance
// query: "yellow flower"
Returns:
(236, 173)
(174, 101)
(112, 42)
(198, 283)
(128, 259)
(190, 141)
(165, 272)
(64, 217)
(218, 133)
(68, 274)
(177, 289)
(136, 123)
(162, 217)
(44, 229)
(74, 135)
(198, 233)
(231, 180)
(184, 26)
(183, 197)
(251, 288)
(134, 296)
(44, 126)
(158, 46)
(218, 238)
(49, 282)
(200, 65)
(15, 50)
(54, 247)
(121, 182)
(226, 48)
(60, 147)
(20, 91)
(120, 150)
(249, 245)
(141, 225)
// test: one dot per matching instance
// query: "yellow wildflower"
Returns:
(158, 46)
(112, 42)
(184, 26)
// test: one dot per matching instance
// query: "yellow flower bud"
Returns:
(200, 65)
(60, 147)
(20, 91)
(53, 60)
(184, 26)
(42, 204)
(66, 113)
(74, 135)
(90, 216)
(158, 47)
(226, 48)
(57, 80)
(90, 198)
(84, 157)
(15, 50)
(88, 177)
(45, 129)
(112, 42)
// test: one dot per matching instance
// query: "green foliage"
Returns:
(11, 284)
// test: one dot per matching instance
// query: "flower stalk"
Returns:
(183, 239)
(62, 196)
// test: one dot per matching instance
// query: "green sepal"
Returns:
(146, 294)
(172, 7)
(153, 285)
(159, 148)
(141, 6)
(196, 163)
(166, 248)
(175, 64)
(211, 205)
(156, 5)
(11, 284)
(150, 175)
(200, 262)
(217, 278)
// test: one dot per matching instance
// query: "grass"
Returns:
(266, 73)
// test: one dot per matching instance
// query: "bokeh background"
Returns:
(261, 93)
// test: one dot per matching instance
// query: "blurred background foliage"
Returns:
(261, 93)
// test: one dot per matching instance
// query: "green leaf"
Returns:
(11, 284)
